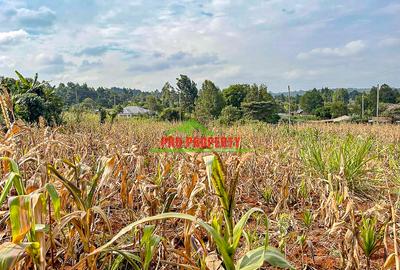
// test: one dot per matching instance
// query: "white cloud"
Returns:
(392, 8)
(12, 37)
(390, 42)
(300, 73)
(351, 48)
(6, 61)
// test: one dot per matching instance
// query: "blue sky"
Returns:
(142, 43)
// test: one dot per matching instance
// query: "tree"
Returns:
(167, 95)
(371, 101)
(341, 95)
(338, 108)
(29, 107)
(387, 94)
(152, 103)
(88, 104)
(327, 94)
(188, 93)
(235, 94)
(257, 93)
(324, 112)
(33, 99)
(229, 115)
(114, 112)
(210, 100)
(262, 111)
(311, 101)
(102, 115)
(170, 114)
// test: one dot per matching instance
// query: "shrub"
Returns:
(229, 115)
(170, 114)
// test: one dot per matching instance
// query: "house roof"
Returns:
(135, 110)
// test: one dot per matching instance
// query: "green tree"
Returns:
(341, 95)
(88, 104)
(170, 114)
(102, 115)
(257, 93)
(33, 99)
(187, 91)
(338, 108)
(167, 95)
(114, 112)
(29, 107)
(327, 94)
(311, 101)
(229, 115)
(235, 94)
(210, 100)
(324, 112)
(262, 111)
(387, 94)
(152, 103)
(371, 101)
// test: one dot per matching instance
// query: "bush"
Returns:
(265, 111)
(29, 107)
(229, 115)
(170, 114)
(323, 112)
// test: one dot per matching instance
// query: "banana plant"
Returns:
(227, 240)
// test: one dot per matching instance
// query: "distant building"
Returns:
(130, 111)
(299, 111)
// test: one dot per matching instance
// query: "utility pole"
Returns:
(180, 107)
(377, 101)
(362, 106)
(288, 87)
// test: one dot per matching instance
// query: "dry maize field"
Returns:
(91, 196)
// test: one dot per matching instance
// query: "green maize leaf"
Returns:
(11, 254)
(116, 263)
(238, 229)
(218, 239)
(149, 241)
(16, 180)
(255, 258)
(24, 210)
(73, 190)
(55, 199)
(7, 187)
(217, 179)
(20, 217)
(131, 258)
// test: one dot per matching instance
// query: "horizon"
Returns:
(143, 44)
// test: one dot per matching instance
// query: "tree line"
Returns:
(186, 99)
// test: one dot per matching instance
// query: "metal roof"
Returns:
(132, 110)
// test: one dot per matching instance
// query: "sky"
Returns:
(143, 43)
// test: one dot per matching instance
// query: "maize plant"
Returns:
(27, 220)
(226, 240)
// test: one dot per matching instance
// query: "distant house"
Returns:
(130, 111)
(297, 112)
